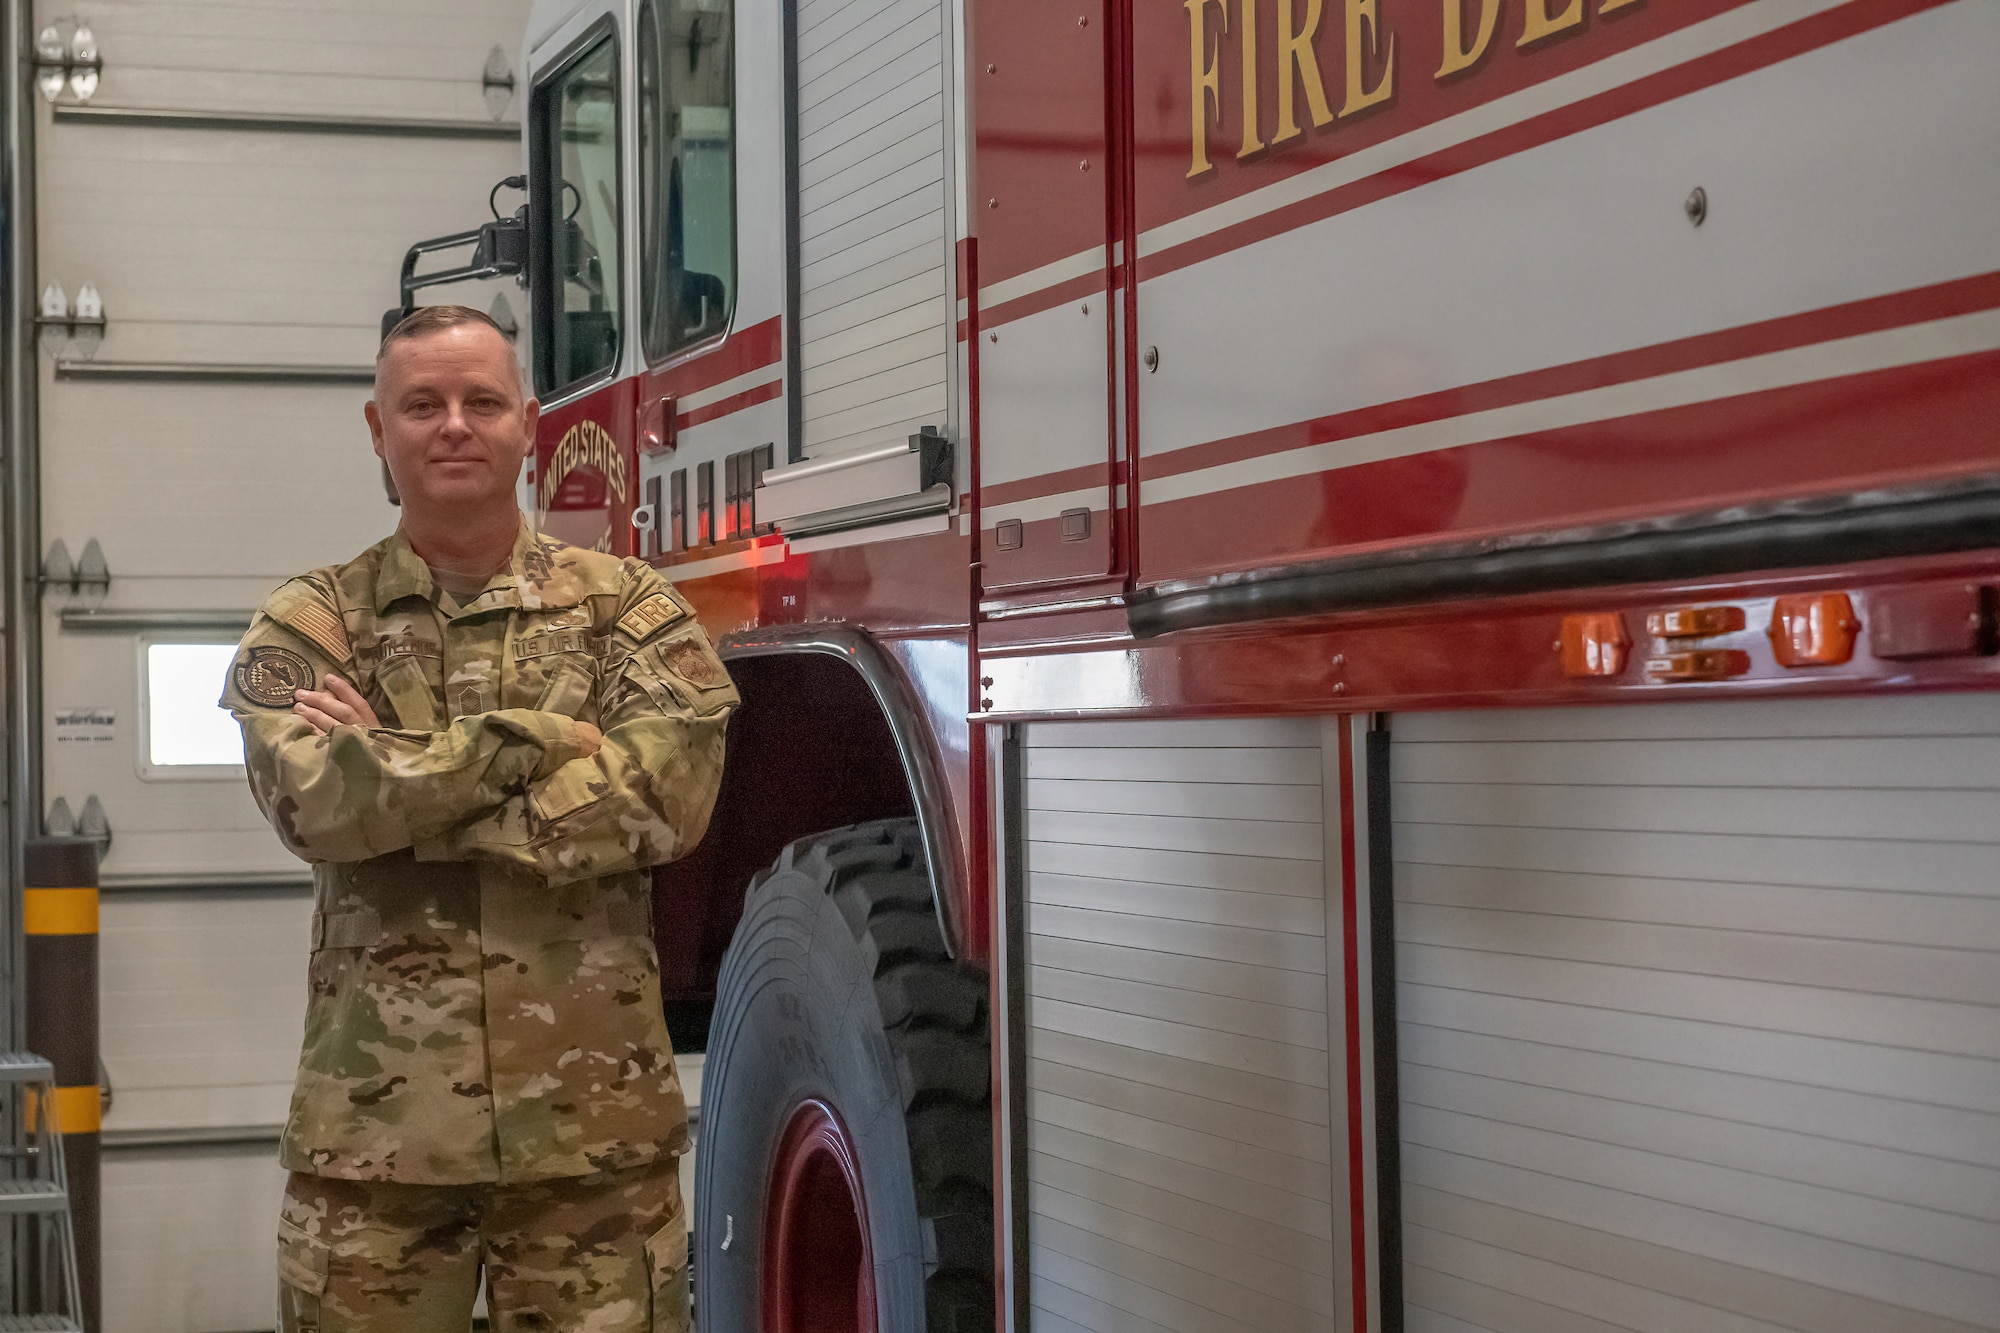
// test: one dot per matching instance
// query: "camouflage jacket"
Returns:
(484, 990)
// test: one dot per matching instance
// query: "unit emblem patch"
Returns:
(269, 675)
(650, 615)
(691, 663)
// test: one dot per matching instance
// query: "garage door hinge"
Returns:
(91, 571)
(91, 824)
(66, 53)
(497, 80)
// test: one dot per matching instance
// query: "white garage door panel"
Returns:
(189, 1239)
(376, 57)
(265, 482)
(1180, 1144)
(217, 246)
(1700, 1016)
(202, 1026)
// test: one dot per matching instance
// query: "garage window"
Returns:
(186, 733)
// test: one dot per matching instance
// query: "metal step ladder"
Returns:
(37, 1185)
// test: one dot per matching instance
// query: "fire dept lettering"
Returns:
(1282, 37)
(650, 615)
(585, 445)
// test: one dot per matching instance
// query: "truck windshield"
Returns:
(576, 173)
(687, 170)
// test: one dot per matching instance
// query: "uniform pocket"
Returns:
(571, 680)
(575, 785)
(686, 669)
(667, 1262)
(303, 1265)
(412, 685)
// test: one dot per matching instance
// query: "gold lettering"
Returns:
(1539, 24)
(1610, 5)
(1298, 63)
(1458, 55)
(1205, 80)
(1362, 16)
(1248, 39)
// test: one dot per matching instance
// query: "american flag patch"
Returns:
(320, 627)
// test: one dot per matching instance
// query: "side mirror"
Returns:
(499, 249)
(502, 249)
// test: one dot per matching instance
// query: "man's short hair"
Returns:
(429, 319)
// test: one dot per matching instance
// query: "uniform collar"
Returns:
(530, 578)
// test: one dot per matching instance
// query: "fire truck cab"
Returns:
(1367, 630)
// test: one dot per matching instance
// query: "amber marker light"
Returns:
(1694, 622)
(1701, 664)
(1593, 644)
(1813, 629)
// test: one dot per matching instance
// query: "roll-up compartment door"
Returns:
(873, 245)
(1182, 1170)
(1700, 1016)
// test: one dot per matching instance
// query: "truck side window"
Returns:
(575, 168)
(687, 171)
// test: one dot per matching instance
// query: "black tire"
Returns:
(837, 987)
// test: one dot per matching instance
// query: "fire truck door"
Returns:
(1041, 180)
(585, 475)
(239, 191)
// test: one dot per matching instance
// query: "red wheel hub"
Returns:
(819, 1274)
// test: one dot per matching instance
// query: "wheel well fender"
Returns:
(831, 733)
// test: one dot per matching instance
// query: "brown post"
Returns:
(59, 918)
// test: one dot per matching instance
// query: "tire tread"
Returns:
(934, 1015)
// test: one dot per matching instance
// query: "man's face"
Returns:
(450, 420)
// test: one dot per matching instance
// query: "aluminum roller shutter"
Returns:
(874, 293)
(1179, 1141)
(1700, 1016)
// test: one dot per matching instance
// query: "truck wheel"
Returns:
(844, 1176)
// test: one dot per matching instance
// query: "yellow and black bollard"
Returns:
(59, 918)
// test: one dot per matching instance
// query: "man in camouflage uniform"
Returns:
(481, 739)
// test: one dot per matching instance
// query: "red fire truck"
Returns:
(1367, 630)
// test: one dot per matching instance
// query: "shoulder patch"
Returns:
(650, 616)
(312, 620)
(691, 660)
(268, 675)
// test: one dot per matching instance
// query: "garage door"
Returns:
(1180, 1141)
(1700, 1017)
(240, 191)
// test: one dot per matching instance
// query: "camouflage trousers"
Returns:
(604, 1253)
